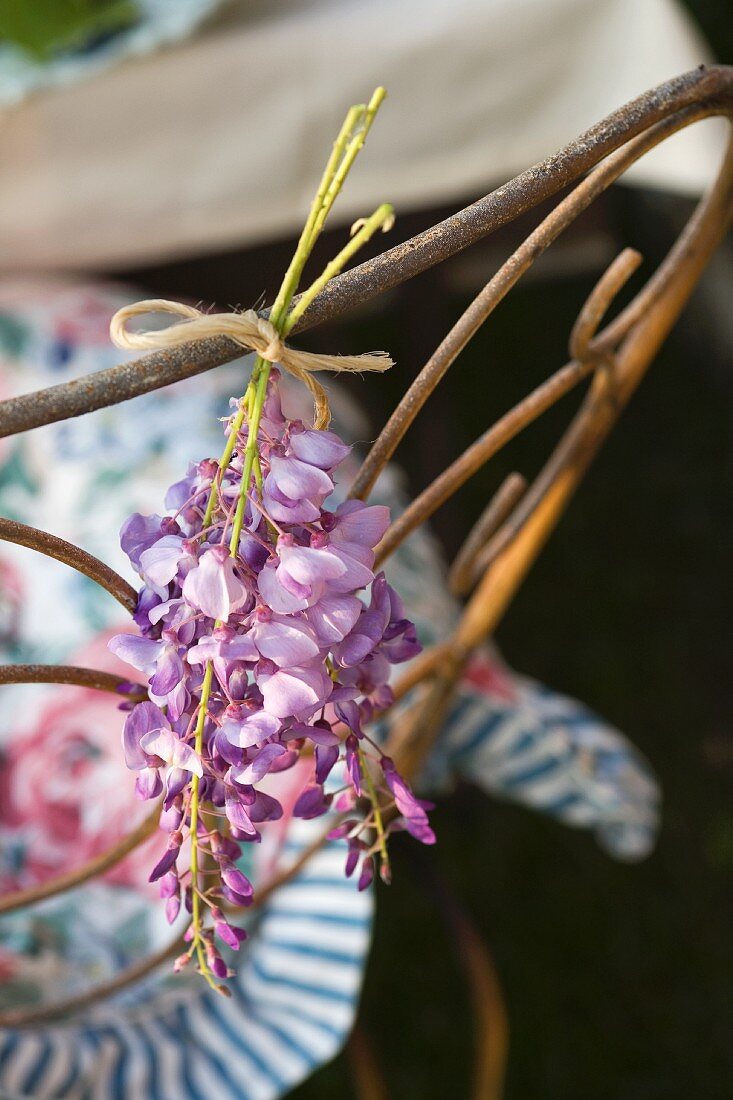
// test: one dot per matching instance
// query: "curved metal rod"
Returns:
(478, 454)
(492, 530)
(69, 674)
(467, 564)
(711, 87)
(66, 552)
(572, 441)
(504, 429)
(592, 423)
(599, 301)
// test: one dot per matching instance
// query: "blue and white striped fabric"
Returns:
(299, 975)
(292, 1004)
(549, 753)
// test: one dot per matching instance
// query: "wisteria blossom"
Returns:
(265, 635)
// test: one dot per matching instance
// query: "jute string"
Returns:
(250, 331)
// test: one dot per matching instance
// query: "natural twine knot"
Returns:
(250, 331)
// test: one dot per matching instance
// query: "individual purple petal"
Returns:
(333, 617)
(176, 779)
(141, 653)
(213, 586)
(365, 636)
(172, 909)
(343, 829)
(312, 802)
(360, 523)
(159, 563)
(148, 783)
(148, 599)
(404, 798)
(352, 859)
(285, 641)
(171, 818)
(284, 511)
(137, 533)
(169, 885)
(215, 962)
(237, 815)
(229, 934)
(369, 676)
(164, 864)
(224, 848)
(258, 768)
(367, 873)
(176, 700)
(299, 480)
(355, 573)
(245, 728)
(419, 828)
(252, 551)
(304, 571)
(181, 491)
(353, 763)
(318, 448)
(273, 420)
(168, 672)
(236, 880)
(326, 757)
(143, 718)
(293, 692)
(234, 898)
(165, 744)
(320, 733)
(403, 646)
(275, 595)
(284, 762)
(412, 809)
(265, 807)
(345, 802)
(349, 712)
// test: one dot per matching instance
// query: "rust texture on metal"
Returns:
(707, 88)
(521, 516)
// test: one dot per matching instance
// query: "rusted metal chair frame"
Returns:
(520, 518)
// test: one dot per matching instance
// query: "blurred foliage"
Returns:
(45, 27)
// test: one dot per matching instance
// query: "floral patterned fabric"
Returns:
(296, 989)
(158, 23)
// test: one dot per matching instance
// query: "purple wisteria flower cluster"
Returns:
(258, 651)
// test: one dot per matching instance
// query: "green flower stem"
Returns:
(342, 157)
(382, 218)
(347, 146)
(352, 151)
(193, 829)
(378, 819)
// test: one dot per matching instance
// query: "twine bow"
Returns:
(250, 331)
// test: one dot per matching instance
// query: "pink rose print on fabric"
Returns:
(65, 794)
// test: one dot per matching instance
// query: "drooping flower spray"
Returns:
(254, 639)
